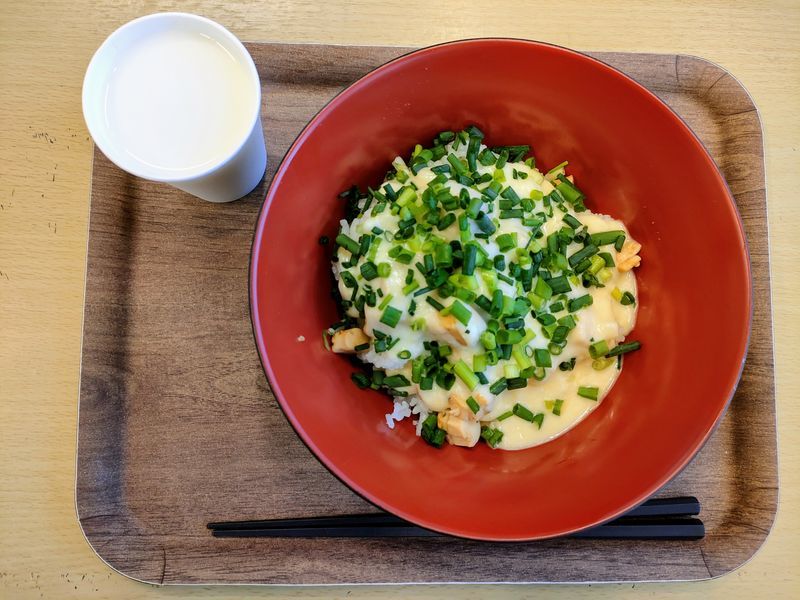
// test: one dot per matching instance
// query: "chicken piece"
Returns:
(459, 407)
(460, 432)
(628, 257)
(346, 340)
(450, 325)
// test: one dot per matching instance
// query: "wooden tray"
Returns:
(178, 426)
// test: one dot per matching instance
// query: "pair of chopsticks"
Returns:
(657, 519)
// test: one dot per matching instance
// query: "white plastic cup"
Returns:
(176, 98)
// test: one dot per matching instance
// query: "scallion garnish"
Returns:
(580, 302)
(624, 348)
(559, 285)
(516, 383)
(542, 357)
(391, 316)
(369, 271)
(522, 412)
(506, 241)
(434, 303)
(498, 386)
(485, 224)
(348, 243)
(606, 237)
(589, 392)
(598, 349)
(460, 312)
(396, 381)
(361, 380)
(627, 299)
(385, 302)
(583, 254)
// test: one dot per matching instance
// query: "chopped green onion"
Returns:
(457, 165)
(582, 254)
(348, 243)
(485, 224)
(543, 288)
(523, 412)
(391, 316)
(410, 287)
(443, 255)
(557, 168)
(474, 207)
(488, 340)
(479, 363)
(572, 221)
(624, 348)
(599, 364)
(505, 415)
(361, 380)
(598, 349)
(466, 375)
(460, 312)
(538, 419)
(567, 189)
(445, 380)
(348, 279)
(498, 386)
(597, 263)
(473, 405)
(580, 302)
(506, 241)
(470, 257)
(517, 383)
(385, 302)
(588, 392)
(505, 336)
(606, 237)
(567, 365)
(396, 381)
(559, 285)
(369, 271)
(492, 436)
(542, 357)
(434, 303)
(627, 299)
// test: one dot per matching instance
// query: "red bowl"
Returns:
(637, 161)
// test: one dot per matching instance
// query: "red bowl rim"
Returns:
(690, 453)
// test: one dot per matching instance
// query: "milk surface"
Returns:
(178, 101)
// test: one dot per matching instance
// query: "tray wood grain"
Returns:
(178, 426)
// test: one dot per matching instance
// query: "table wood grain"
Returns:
(45, 165)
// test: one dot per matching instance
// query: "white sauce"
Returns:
(606, 319)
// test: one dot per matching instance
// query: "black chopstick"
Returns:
(654, 519)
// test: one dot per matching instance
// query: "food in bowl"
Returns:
(485, 297)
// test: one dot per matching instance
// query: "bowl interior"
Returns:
(636, 161)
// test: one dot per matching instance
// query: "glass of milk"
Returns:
(175, 98)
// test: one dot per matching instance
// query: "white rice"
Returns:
(407, 407)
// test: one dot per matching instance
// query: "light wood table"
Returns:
(45, 166)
